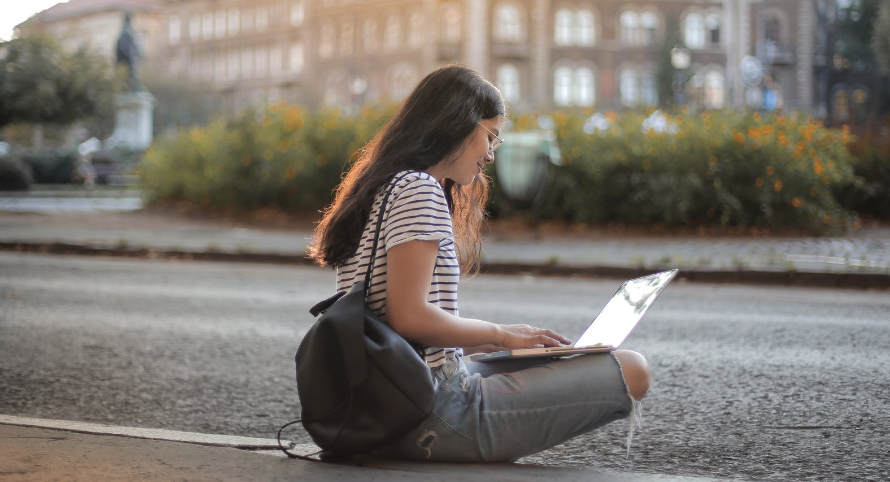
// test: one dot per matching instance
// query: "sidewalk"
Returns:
(860, 260)
(39, 450)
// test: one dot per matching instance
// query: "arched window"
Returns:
(712, 24)
(773, 30)
(694, 31)
(627, 84)
(649, 24)
(508, 82)
(562, 29)
(451, 30)
(393, 33)
(649, 88)
(860, 104)
(585, 30)
(508, 23)
(630, 24)
(347, 36)
(562, 86)
(585, 93)
(326, 40)
(370, 35)
(415, 30)
(714, 90)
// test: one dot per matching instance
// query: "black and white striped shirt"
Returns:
(416, 210)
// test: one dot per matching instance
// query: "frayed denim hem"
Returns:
(635, 419)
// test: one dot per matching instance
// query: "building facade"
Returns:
(542, 54)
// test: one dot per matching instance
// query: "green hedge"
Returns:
(284, 157)
(732, 169)
(728, 168)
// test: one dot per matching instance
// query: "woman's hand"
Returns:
(525, 336)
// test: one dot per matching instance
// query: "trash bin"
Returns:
(525, 164)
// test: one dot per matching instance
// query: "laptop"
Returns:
(609, 329)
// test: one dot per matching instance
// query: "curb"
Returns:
(210, 440)
(880, 281)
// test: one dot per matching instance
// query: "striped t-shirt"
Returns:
(416, 210)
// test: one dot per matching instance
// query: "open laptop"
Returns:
(609, 329)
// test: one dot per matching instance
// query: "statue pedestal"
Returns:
(133, 128)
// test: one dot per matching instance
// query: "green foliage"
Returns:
(41, 83)
(880, 41)
(284, 157)
(871, 151)
(14, 174)
(180, 104)
(730, 169)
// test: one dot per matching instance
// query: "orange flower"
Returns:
(770, 170)
(797, 202)
(739, 137)
(759, 182)
(290, 173)
(817, 166)
(777, 186)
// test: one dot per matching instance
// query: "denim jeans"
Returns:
(501, 411)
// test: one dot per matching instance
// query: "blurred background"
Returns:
(734, 113)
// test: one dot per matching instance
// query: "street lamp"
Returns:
(680, 60)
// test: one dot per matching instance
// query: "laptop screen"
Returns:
(624, 310)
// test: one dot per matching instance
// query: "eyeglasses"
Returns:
(497, 140)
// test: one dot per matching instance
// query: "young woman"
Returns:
(432, 155)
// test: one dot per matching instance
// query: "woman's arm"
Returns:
(409, 275)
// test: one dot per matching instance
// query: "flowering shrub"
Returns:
(283, 157)
(733, 169)
(727, 168)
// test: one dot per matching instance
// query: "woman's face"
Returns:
(475, 154)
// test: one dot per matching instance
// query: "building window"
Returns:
(584, 87)
(508, 82)
(562, 30)
(451, 31)
(712, 24)
(347, 37)
(630, 25)
(261, 20)
(585, 30)
(247, 63)
(295, 58)
(649, 26)
(773, 29)
(841, 106)
(297, 13)
(219, 68)
(247, 20)
(174, 30)
(207, 26)
(260, 59)
(393, 33)
(194, 27)
(234, 21)
(415, 30)
(574, 86)
(627, 84)
(714, 89)
(234, 66)
(326, 40)
(649, 88)
(694, 31)
(275, 58)
(370, 35)
(508, 23)
(220, 24)
(207, 69)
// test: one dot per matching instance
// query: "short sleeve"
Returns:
(417, 211)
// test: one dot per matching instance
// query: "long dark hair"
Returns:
(431, 126)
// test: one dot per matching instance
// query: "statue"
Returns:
(128, 52)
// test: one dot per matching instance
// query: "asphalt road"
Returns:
(757, 383)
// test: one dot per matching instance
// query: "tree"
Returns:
(880, 41)
(41, 83)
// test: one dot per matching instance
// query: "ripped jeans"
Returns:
(501, 411)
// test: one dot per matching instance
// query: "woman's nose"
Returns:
(489, 157)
